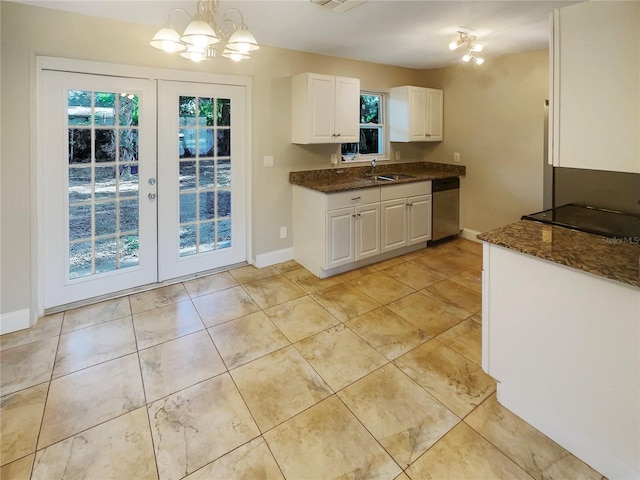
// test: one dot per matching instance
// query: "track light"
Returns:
(471, 47)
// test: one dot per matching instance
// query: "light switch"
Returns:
(268, 161)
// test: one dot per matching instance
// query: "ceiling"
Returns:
(412, 34)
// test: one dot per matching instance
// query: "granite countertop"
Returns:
(614, 258)
(350, 178)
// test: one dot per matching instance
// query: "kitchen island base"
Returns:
(564, 347)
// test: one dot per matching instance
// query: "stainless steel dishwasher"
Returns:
(445, 219)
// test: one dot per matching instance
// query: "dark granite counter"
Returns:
(350, 178)
(614, 258)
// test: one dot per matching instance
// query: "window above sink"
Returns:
(374, 141)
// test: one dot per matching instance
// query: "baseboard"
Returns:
(271, 258)
(14, 321)
(470, 234)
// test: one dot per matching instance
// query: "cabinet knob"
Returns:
(409, 204)
(355, 198)
(427, 134)
(337, 134)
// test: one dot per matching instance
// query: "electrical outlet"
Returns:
(456, 157)
(268, 161)
(397, 155)
(283, 232)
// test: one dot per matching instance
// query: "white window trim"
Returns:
(386, 144)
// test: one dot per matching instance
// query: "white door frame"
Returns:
(99, 68)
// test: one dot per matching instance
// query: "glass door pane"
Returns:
(102, 182)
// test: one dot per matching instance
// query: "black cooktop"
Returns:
(599, 221)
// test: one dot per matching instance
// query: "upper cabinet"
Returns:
(416, 114)
(325, 109)
(595, 86)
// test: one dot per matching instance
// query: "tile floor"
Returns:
(272, 373)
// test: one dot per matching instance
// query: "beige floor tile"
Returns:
(244, 339)
(278, 386)
(402, 476)
(477, 317)
(225, 305)
(91, 396)
(46, 327)
(120, 448)
(536, 453)
(251, 274)
(428, 314)
(388, 332)
(345, 302)
(354, 274)
(456, 296)
(288, 266)
(92, 345)
(392, 262)
(340, 356)
(18, 470)
(301, 318)
(455, 381)
(440, 263)
(197, 425)
(463, 255)
(97, 313)
(20, 417)
(27, 365)
(327, 441)
(413, 275)
(158, 297)
(468, 245)
(308, 282)
(178, 364)
(404, 418)
(273, 290)
(471, 279)
(463, 454)
(466, 339)
(166, 323)
(209, 284)
(381, 287)
(252, 461)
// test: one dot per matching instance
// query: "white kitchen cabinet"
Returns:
(325, 109)
(595, 86)
(352, 234)
(416, 114)
(406, 215)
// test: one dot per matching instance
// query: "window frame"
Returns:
(384, 132)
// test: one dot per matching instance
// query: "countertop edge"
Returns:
(579, 250)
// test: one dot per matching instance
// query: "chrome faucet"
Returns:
(373, 166)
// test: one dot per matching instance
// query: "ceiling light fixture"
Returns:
(471, 46)
(205, 33)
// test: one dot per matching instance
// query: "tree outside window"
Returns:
(371, 129)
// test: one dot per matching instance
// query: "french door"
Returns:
(117, 215)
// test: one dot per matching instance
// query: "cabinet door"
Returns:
(393, 227)
(417, 114)
(347, 110)
(434, 115)
(321, 108)
(340, 241)
(419, 219)
(595, 102)
(367, 237)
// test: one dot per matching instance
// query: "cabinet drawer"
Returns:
(404, 190)
(352, 198)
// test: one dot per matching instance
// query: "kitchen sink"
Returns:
(390, 177)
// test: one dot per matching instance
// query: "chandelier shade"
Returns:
(206, 33)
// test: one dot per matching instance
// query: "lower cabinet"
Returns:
(352, 234)
(335, 232)
(406, 215)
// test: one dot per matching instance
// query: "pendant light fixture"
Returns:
(207, 32)
(472, 48)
